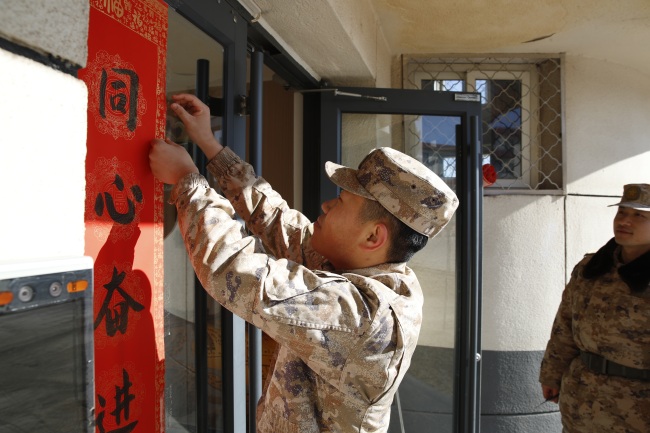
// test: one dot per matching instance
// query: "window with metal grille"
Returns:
(521, 115)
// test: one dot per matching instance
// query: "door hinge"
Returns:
(242, 108)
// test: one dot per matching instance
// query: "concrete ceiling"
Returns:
(342, 39)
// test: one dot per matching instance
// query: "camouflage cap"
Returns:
(636, 196)
(402, 185)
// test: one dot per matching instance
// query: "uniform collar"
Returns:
(384, 268)
(636, 274)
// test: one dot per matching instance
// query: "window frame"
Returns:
(468, 73)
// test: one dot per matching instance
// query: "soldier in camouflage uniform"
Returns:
(597, 361)
(335, 294)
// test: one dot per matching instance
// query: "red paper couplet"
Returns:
(125, 76)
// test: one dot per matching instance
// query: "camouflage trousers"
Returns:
(597, 403)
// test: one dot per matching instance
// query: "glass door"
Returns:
(440, 391)
(205, 380)
(184, 374)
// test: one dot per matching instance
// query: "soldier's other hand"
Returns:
(195, 115)
(170, 162)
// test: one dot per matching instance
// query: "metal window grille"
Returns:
(521, 115)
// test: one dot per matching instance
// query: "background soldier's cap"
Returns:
(401, 184)
(636, 196)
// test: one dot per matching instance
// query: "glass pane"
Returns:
(185, 45)
(425, 397)
(442, 85)
(502, 125)
(438, 141)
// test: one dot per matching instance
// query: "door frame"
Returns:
(225, 25)
(323, 111)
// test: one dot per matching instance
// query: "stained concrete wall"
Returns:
(56, 27)
(346, 37)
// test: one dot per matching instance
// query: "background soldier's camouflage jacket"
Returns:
(345, 339)
(605, 317)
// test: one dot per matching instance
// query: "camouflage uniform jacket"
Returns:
(345, 339)
(603, 316)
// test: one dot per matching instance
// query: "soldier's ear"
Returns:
(377, 237)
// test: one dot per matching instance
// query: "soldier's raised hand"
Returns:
(195, 115)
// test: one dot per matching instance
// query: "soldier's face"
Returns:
(338, 230)
(632, 229)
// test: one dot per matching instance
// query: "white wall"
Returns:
(43, 144)
(523, 270)
(607, 113)
(588, 226)
(42, 161)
